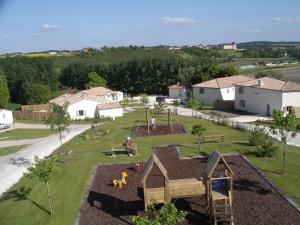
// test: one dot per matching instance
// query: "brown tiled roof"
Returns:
(109, 105)
(97, 91)
(223, 82)
(271, 84)
(179, 86)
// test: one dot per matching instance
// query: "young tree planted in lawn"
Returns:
(284, 123)
(144, 99)
(43, 169)
(125, 102)
(59, 119)
(193, 103)
(198, 131)
(168, 214)
(176, 103)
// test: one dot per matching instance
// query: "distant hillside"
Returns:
(267, 44)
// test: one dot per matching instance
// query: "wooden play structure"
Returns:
(212, 138)
(171, 118)
(216, 185)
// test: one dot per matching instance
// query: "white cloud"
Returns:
(51, 27)
(178, 21)
(286, 20)
(254, 30)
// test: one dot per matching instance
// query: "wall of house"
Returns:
(6, 117)
(228, 94)
(118, 96)
(209, 96)
(88, 106)
(175, 93)
(290, 99)
(111, 113)
(257, 99)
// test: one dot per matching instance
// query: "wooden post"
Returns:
(147, 118)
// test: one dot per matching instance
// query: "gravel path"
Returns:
(13, 166)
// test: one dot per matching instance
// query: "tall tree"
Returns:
(43, 169)
(4, 93)
(95, 80)
(37, 93)
(284, 124)
(59, 119)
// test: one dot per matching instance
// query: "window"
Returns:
(242, 103)
(3, 115)
(288, 108)
(228, 90)
(241, 90)
(80, 113)
(201, 91)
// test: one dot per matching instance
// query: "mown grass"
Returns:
(10, 150)
(20, 134)
(71, 179)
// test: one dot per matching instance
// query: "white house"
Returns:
(110, 109)
(85, 104)
(179, 91)
(6, 116)
(263, 95)
(218, 89)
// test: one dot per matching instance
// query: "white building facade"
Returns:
(262, 96)
(179, 91)
(217, 89)
(6, 116)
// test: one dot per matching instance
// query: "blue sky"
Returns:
(36, 25)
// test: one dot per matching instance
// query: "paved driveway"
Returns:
(12, 167)
(9, 143)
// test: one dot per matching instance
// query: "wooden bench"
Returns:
(212, 138)
(115, 148)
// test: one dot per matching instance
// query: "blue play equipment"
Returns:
(218, 184)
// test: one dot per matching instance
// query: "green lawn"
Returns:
(10, 150)
(20, 134)
(71, 179)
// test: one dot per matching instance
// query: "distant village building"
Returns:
(228, 46)
(265, 94)
(92, 103)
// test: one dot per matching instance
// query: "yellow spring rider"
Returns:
(119, 182)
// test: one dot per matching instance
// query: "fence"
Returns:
(35, 108)
(27, 115)
(226, 122)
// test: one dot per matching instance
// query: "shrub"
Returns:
(168, 214)
(257, 136)
(267, 148)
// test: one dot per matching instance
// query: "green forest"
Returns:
(133, 70)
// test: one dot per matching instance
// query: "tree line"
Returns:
(35, 80)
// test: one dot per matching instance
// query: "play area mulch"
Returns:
(255, 201)
(142, 131)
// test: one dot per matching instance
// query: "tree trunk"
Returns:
(49, 199)
(199, 143)
(284, 159)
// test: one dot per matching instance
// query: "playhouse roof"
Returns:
(149, 165)
(212, 163)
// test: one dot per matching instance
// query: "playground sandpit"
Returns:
(255, 201)
(142, 131)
